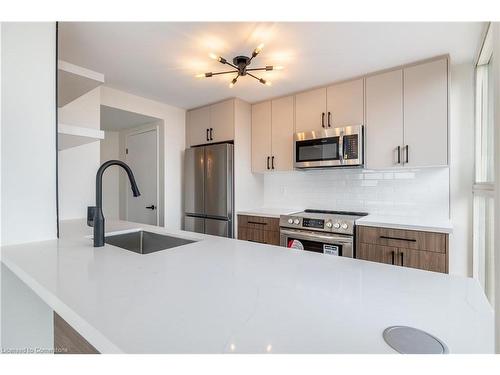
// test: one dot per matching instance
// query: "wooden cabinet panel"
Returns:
(261, 137)
(282, 121)
(222, 121)
(259, 229)
(384, 120)
(425, 260)
(69, 341)
(377, 253)
(310, 107)
(259, 222)
(198, 121)
(409, 239)
(426, 114)
(345, 103)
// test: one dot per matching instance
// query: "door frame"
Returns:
(136, 131)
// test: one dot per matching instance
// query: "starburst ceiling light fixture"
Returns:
(240, 65)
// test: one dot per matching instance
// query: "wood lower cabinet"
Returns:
(68, 341)
(259, 229)
(406, 248)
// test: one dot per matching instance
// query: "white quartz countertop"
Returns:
(429, 224)
(269, 211)
(222, 295)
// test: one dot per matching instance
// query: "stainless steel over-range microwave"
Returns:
(336, 147)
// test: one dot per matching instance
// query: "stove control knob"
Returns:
(344, 226)
(290, 221)
(329, 224)
(296, 221)
(336, 225)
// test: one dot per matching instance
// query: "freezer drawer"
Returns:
(194, 224)
(217, 227)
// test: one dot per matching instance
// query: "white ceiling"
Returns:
(159, 60)
(115, 119)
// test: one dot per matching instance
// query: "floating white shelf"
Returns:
(71, 136)
(74, 81)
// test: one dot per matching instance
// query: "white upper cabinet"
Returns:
(198, 126)
(310, 110)
(345, 104)
(209, 124)
(222, 121)
(282, 134)
(261, 137)
(426, 114)
(272, 135)
(384, 120)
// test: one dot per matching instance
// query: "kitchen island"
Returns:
(220, 295)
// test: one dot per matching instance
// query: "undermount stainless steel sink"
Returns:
(143, 242)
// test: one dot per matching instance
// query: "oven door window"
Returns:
(317, 149)
(314, 246)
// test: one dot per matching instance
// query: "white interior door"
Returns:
(142, 158)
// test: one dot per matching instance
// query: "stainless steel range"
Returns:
(327, 232)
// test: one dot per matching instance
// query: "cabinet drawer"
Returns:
(407, 239)
(258, 235)
(377, 253)
(259, 222)
(424, 260)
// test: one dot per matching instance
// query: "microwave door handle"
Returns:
(341, 149)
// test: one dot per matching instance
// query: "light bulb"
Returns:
(213, 56)
(279, 67)
(231, 85)
(268, 83)
(259, 48)
(200, 75)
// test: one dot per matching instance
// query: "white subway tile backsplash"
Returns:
(404, 192)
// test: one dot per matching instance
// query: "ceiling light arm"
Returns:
(261, 80)
(226, 72)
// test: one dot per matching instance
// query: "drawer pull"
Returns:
(392, 256)
(402, 259)
(255, 222)
(398, 238)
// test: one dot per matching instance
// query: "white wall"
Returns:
(78, 165)
(110, 149)
(174, 143)
(461, 167)
(28, 132)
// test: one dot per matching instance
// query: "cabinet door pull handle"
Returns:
(323, 120)
(211, 130)
(329, 119)
(207, 135)
(402, 259)
(407, 152)
(392, 255)
(398, 238)
(399, 154)
(272, 162)
(268, 162)
(256, 222)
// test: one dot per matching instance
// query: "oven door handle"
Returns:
(301, 235)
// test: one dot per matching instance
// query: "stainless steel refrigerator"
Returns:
(209, 187)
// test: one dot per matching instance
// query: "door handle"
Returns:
(207, 136)
(323, 120)
(329, 119)
(211, 130)
(152, 207)
(392, 255)
(407, 152)
(268, 162)
(402, 258)
(272, 162)
(399, 154)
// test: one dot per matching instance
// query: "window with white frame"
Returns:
(483, 190)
